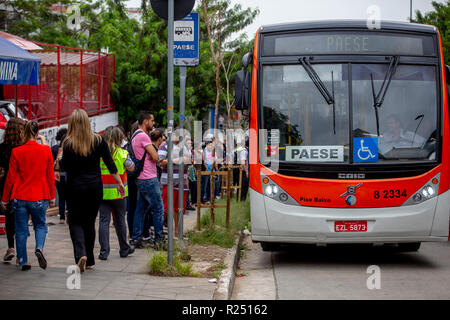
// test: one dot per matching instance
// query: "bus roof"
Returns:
(346, 24)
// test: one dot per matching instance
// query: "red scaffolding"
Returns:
(71, 78)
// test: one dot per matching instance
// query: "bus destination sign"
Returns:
(347, 43)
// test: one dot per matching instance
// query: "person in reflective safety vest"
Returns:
(112, 200)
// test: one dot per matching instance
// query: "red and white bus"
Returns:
(349, 134)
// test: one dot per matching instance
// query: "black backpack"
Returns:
(138, 163)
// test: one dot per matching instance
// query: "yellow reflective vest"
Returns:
(109, 184)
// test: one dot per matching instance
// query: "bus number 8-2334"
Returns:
(390, 194)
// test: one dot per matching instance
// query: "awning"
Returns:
(49, 58)
(17, 66)
(20, 42)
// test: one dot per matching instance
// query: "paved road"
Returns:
(341, 273)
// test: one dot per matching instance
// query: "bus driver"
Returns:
(396, 137)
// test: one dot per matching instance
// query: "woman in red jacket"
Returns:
(30, 185)
(13, 138)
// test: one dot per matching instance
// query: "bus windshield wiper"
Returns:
(329, 98)
(378, 99)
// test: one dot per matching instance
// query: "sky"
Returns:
(280, 11)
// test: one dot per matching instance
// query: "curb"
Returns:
(225, 284)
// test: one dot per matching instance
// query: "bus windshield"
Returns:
(293, 104)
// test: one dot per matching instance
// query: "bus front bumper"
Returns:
(273, 221)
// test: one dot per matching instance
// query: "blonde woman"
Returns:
(113, 202)
(81, 153)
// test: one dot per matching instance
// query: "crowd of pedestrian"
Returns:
(114, 175)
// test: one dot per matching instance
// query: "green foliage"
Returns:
(34, 20)
(218, 235)
(140, 48)
(217, 269)
(239, 215)
(220, 22)
(159, 266)
(440, 18)
(215, 236)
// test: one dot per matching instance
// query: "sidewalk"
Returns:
(116, 278)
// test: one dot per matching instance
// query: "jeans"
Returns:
(218, 185)
(148, 222)
(37, 210)
(60, 186)
(245, 185)
(9, 225)
(131, 203)
(193, 191)
(149, 193)
(205, 188)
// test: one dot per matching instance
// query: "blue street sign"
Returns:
(365, 149)
(186, 41)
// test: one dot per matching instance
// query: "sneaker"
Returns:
(130, 251)
(62, 221)
(82, 263)
(136, 243)
(102, 258)
(41, 259)
(147, 241)
(190, 208)
(10, 253)
(217, 197)
(26, 267)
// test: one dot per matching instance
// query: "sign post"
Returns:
(169, 135)
(170, 10)
(186, 53)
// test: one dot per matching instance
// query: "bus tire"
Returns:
(269, 246)
(409, 247)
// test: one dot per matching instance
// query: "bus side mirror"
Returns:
(242, 90)
(246, 60)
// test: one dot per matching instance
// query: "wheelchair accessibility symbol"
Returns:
(365, 149)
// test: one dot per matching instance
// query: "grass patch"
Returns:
(218, 234)
(217, 269)
(159, 265)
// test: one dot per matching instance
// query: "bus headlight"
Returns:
(428, 191)
(275, 192)
(268, 190)
(271, 190)
(284, 197)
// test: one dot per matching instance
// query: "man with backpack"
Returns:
(145, 157)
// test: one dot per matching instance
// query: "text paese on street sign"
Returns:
(186, 41)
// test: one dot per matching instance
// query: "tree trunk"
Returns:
(216, 62)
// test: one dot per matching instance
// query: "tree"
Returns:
(440, 18)
(140, 48)
(222, 22)
(34, 19)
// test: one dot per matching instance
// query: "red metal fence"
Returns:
(71, 78)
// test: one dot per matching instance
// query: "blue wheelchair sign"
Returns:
(365, 149)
